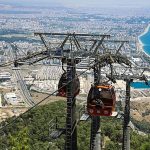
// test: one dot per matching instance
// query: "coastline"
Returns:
(140, 42)
(145, 31)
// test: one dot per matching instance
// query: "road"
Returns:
(20, 82)
(25, 92)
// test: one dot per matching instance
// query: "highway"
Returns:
(23, 88)
(25, 92)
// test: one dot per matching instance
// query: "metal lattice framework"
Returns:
(71, 49)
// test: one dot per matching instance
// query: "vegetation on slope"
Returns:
(144, 126)
(32, 132)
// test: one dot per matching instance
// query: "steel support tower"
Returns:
(77, 46)
(71, 128)
(95, 124)
(126, 127)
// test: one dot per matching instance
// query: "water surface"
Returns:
(145, 40)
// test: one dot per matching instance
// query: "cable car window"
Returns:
(106, 94)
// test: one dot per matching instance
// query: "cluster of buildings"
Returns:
(20, 28)
(60, 20)
(7, 96)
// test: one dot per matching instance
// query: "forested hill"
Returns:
(32, 132)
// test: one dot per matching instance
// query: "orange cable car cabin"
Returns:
(101, 100)
(62, 87)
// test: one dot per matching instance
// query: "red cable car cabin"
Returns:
(62, 88)
(101, 100)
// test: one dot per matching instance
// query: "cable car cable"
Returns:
(44, 99)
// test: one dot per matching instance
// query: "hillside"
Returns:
(141, 110)
(32, 132)
(140, 114)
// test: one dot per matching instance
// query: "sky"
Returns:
(81, 3)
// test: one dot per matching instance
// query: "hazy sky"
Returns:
(82, 3)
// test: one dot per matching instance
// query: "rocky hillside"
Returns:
(140, 109)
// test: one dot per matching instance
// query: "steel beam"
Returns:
(71, 129)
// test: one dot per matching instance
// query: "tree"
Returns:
(31, 131)
(145, 146)
(110, 145)
(20, 141)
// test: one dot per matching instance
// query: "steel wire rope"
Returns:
(6, 64)
(29, 133)
(44, 99)
(21, 115)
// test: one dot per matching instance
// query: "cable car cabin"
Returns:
(62, 83)
(101, 100)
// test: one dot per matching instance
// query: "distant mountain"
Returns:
(3, 6)
(28, 3)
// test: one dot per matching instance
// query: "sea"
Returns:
(140, 85)
(144, 39)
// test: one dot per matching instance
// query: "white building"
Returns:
(11, 98)
(4, 76)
